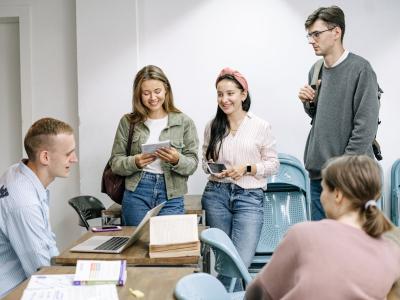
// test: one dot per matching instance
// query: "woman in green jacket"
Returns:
(152, 178)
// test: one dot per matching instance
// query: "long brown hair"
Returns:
(359, 178)
(220, 125)
(140, 112)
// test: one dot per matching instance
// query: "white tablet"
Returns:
(151, 148)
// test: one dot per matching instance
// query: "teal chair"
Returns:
(203, 286)
(395, 193)
(227, 260)
(286, 202)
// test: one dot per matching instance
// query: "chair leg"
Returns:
(206, 255)
(232, 285)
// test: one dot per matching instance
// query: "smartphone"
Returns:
(215, 168)
(106, 228)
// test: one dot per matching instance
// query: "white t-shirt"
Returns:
(155, 126)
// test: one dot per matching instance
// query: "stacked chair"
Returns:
(286, 202)
(227, 260)
(395, 193)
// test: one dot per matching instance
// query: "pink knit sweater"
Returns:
(328, 260)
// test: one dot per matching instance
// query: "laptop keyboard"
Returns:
(113, 243)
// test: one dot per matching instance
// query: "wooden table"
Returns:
(192, 206)
(137, 254)
(155, 283)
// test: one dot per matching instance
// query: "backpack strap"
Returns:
(317, 71)
(130, 137)
(314, 84)
(375, 145)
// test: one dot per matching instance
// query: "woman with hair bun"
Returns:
(344, 256)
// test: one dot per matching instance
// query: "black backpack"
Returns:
(313, 105)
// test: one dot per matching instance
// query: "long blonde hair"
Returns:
(359, 178)
(140, 112)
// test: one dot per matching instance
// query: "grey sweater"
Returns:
(347, 114)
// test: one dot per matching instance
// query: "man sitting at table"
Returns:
(26, 240)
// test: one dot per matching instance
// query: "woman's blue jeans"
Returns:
(239, 213)
(149, 193)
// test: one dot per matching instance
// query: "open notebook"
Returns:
(116, 244)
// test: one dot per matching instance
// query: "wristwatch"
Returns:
(248, 169)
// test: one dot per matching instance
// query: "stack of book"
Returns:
(100, 272)
(174, 236)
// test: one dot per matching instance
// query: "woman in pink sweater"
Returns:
(342, 257)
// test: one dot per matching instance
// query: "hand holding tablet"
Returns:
(161, 150)
(153, 147)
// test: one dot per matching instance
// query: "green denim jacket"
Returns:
(182, 133)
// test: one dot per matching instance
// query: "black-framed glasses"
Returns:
(315, 34)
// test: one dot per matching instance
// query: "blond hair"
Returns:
(140, 112)
(39, 135)
(359, 178)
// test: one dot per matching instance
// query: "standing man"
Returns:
(26, 240)
(346, 118)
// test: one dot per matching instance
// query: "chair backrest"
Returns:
(202, 286)
(87, 207)
(291, 176)
(395, 193)
(286, 202)
(227, 260)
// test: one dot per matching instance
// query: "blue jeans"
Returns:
(239, 213)
(317, 211)
(149, 192)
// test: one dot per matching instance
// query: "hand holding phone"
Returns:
(106, 228)
(215, 168)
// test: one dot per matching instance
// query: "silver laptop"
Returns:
(116, 244)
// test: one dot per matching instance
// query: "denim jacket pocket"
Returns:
(136, 144)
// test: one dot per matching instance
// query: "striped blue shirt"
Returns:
(26, 239)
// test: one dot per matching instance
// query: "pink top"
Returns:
(253, 143)
(328, 260)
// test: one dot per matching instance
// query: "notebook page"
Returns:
(173, 229)
(86, 292)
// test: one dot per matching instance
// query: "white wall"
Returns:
(192, 40)
(53, 88)
(99, 45)
(10, 93)
(106, 51)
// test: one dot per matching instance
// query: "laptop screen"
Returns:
(140, 229)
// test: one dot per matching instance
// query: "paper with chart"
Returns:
(100, 271)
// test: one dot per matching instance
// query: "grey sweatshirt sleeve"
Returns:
(366, 112)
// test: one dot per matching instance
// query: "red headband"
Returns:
(239, 77)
